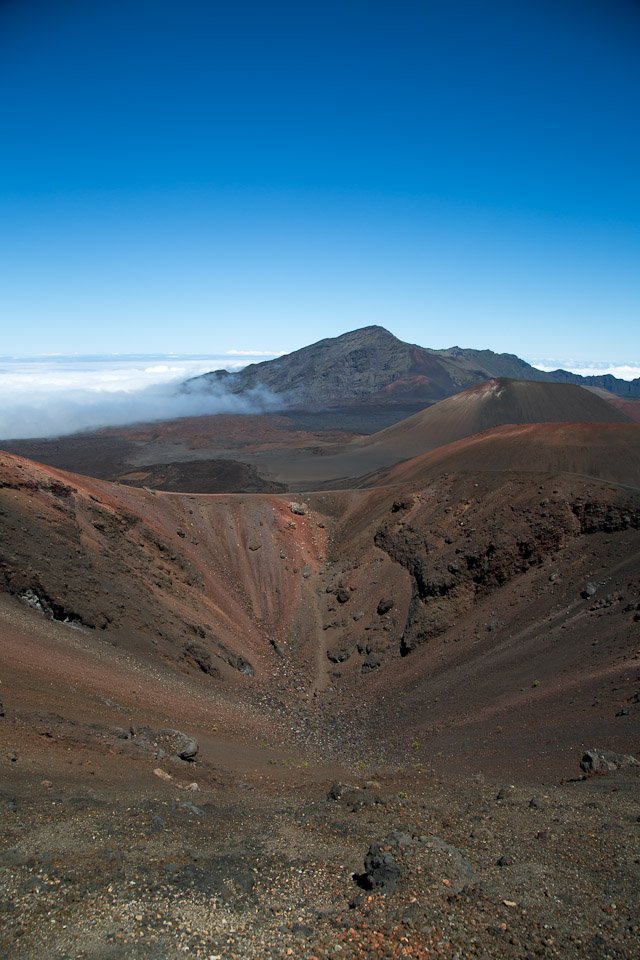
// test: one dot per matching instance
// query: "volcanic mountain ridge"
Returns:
(372, 367)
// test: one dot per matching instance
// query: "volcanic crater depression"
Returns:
(389, 654)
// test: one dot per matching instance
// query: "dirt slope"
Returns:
(302, 602)
(492, 404)
(609, 452)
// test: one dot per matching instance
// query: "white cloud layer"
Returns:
(252, 353)
(589, 368)
(53, 396)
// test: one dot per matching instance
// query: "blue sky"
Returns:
(200, 177)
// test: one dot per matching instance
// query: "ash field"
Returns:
(356, 678)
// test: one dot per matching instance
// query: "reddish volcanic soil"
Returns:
(610, 452)
(630, 408)
(407, 674)
(250, 454)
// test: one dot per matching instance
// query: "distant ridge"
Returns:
(372, 367)
(605, 381)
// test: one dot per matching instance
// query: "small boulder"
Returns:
(336, 790)
(186, 747)
(341, 655)
(381, 871)
(373, 661)
(385, 605)
(299, 509)
(605, 761)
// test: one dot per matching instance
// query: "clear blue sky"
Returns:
(202, 176)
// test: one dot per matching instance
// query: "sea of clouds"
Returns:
(57, 395)
(590, 368)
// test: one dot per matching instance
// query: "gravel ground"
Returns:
(257, 869)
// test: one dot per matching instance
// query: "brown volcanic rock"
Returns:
(489, 604)
(506, 653)
(155, 572)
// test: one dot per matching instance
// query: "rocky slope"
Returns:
(368, 366)
(261, 596)
(372, 367)
(257, 727)
(621, 388)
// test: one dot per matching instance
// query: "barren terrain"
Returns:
(336, 723)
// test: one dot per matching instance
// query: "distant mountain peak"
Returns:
(370, 366)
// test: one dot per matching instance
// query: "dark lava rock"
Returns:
(504, 861)
(385, 605)
(605, 761)
(337, 790)
(399, 838)
(381, 871)
(372, 662)
(340, 656)
(201, 658)
(343, 595)
(276, 646)
(353, 798)
(504, 793)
